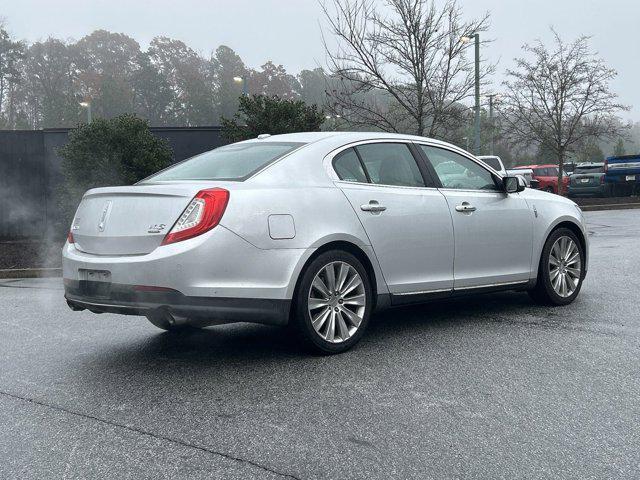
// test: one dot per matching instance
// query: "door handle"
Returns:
(465, 207)
(373, 206)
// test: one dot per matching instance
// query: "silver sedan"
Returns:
(318, 230)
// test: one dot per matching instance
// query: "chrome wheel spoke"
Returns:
(554, 273)
(553, 260)
(573, 258)
(353, 318)
(343, 273)
(342, 327)
(355, 300)
(331, 327)
(330, 275)
(319, 285)
(351, 285)
(320, 319)
(573, 272)
(315, 303)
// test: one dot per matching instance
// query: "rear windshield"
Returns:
(493, 162)
(590, 169)
(237, 162)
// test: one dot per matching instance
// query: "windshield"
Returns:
(233, 162)
(590, 169)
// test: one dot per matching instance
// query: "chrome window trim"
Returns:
(406, 187)
(453, 289)
(488, 285)
(423, 292)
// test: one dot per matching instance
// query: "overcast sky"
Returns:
(288, 31)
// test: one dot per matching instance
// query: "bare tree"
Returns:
(560, 98)
(405, 71)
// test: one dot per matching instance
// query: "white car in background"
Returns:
(495, 162)
(318, 230)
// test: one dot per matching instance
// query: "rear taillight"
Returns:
(606, 166)
(70, 237)
(201, 215)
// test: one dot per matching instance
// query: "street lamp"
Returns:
(243, 81)
(87, 104)
(465, 39)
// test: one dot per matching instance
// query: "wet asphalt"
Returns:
(486, 387)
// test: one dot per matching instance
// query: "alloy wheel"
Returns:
(565, 266)
(337, 302)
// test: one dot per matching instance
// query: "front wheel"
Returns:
(561, 269)
(333, 302)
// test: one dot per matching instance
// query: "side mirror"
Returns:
(513, 184)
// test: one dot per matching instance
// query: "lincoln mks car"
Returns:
(317, 231)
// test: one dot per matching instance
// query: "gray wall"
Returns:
(30, 172)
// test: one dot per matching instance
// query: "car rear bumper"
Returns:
(129, 300)
(217, 264)
(600, 189)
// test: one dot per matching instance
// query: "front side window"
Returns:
(390, 164)
(237, 162)
(457, 171)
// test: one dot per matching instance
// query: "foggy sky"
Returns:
(288, 31)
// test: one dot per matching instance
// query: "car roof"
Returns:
(344, 137)
(590, 164)
(541, 165)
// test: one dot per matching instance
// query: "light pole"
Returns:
(491, 124)
(87, 104)
(245, 87)
(476, 125)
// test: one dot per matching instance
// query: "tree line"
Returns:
(407, 69)
(42, 84)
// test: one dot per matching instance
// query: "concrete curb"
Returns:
(30, 272)
(611, 206)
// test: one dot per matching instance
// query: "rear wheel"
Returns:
(561, 269)
(549, 189)
(333, 302)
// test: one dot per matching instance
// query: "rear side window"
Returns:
(348, 167)
(237, 162)
(390, 164)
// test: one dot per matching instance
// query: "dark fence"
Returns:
(30, 172)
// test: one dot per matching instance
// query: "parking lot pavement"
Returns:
(487, 387)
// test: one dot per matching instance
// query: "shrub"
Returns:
(117, 151)
(262, 114)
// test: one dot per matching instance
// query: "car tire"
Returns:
(327, 320)
(549, 189)
(548, 289)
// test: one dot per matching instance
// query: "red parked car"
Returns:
(547, 176)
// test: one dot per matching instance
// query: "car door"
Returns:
(405, 217)
(492, 229)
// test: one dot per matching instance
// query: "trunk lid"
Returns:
(130, 220)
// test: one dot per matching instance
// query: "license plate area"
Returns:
(584, 180)
(630, 178)
(95, 283)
